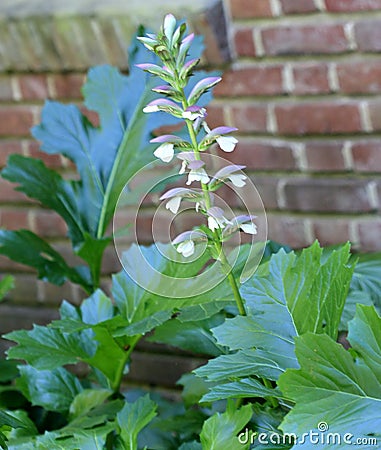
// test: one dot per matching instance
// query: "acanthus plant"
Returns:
(171, 45)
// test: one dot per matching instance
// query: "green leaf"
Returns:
(133, 418)
(220, 431)
(297, 294)
(194, 445)
(97, 308)
(192, 336)
(332, 387)
(8, 370)
(244, 363)
(54, 390)
(6, 284)
(193, 388)
(46, 348)
(354, 298)
(86, 400)
(27, 248)
(367, 277)
(244, 388)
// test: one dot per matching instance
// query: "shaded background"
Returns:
(301, 81)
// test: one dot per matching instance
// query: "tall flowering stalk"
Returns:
(171, 45)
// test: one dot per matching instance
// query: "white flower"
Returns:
(227, 143)
(216, 218)
(193, 113)
(165, 152)
(150, 108)
(183, 167)
(249, 228)
(198, 175)
(186, 248)
(238, 179)
(173, 204)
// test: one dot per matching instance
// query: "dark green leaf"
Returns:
(193, 336)
(47, 348)
(27, 248)
(54, 390)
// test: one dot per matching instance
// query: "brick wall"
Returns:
(303, 88)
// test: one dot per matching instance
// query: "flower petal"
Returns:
(249, 228)
(227, 143)
(238, 179)
(165, 152)
(186, 248)
(174, 204)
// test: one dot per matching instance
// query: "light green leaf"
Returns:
(220, 431)
(97, 308)
(244, 388)
(354, 298)
(133, 418)
(367, 277)
(242, 364)
(332, 387)
(54, 390)
(6, 284)
(86, 400)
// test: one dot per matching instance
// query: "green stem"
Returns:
(119, 376)
(224, 261)
(273, 400)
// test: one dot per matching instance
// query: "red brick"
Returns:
(369, 233)
(318, 118)
(53, 161)
(215, 115)
(8, 147)
(375, 114)
(302, 40)
(15, 120)
(6, 88)
(68, 86)
(48, 224)
(331, 231)
(359, 77)
(33, 87)
(288, 230)
(323, 156)
(246, 9)
(298, 6)
(251, 81)
(14, 219)
(244, 42)
(352, 5)
(267, 189)
(367, 156)
(368, 35)
(263, 155)
(311, 78)
(8, 194)
(327, 195)
(249, 118)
